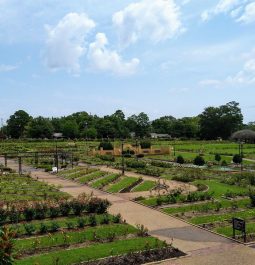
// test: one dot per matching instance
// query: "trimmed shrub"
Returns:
(237, 159)
(199, 161)
(106, 146)
(146, 144)
(217, 157)
(180, 159)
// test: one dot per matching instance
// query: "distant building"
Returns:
(58, 135)
(160, 136)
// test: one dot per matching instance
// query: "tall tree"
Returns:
(39, 127)
(17, 123)
(220, 121)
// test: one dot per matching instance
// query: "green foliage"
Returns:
(109, 158)
(6, 246)
(135, 164)
(145, 144)
(237, 159)
(199, 161)
(105, 146)
(217, 157)
(180, 159)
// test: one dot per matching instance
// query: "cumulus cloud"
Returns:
(103, 59)
(148, 19)
(7, 68)
(66, 42)
(249, 14)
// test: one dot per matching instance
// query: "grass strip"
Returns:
(92, 252)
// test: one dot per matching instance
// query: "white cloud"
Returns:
(245, 76)
(223, 6)
(148, 19)
(249, 14)
(7, 68)
(103, 59)
(66, 42)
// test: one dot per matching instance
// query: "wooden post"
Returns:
(20, 166)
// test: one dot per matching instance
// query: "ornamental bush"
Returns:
(106, 146)
(199, 161)
(237, 159)
(180, 160)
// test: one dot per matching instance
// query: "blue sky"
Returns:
(163, 57)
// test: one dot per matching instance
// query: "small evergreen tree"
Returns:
(217, 158)
(199, 161)
(237, 159)
(180, 159)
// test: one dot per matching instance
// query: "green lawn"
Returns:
(146, 185)
(123, 183)
(92, 176)
(98, 184)
(220, 189)
(92, 252)
(222, 217)
(201, 207)
(228, 230)
(74, 237)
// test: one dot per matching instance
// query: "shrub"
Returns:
(183, 178)
(145, 144)
(81, 222)
(6, 246)
(14, 215)
(161, 164)
(54, 227)
(252, 198)
(53, 212)
(92, 220)
(97, 205)
(116, 219)
(237, 159)
(140, 155)
(78, 207)
(29, 214)
(135, 164)
(69, 225)
(43, 228)
(217, 157)
(65, 208)
(109, 158)
(106, 145)
(3, 216)
(29, 228)
(105, 219)
(180, 160)
(199, 161)
(40, 211)
(151, 171)
(224, 163)
(142, 230)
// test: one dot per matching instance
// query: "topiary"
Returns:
(199, 161)
(237, 159)
(180, 160)
(105, 146)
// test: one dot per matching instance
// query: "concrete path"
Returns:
(204, 248)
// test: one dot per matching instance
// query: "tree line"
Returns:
(212, 123)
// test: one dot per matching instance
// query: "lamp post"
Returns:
(241, 153)
(122, 157)
(86, 137)
(56, 154)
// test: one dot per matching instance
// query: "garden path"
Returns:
(203, 247)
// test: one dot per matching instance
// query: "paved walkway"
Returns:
(204, 248)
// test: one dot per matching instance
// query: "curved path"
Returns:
(203, 247)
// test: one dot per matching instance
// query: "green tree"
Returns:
(16, 123)
(70, 129)
(39, 127)
(199, 161)
(220, 121)
(217, 158)
(237, 159)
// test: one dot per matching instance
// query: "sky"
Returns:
(161, 57)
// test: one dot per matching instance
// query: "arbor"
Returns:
(16, 123)
(39, 128)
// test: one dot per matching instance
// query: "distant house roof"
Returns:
(160, 135)
(244, 135)
(58, 135)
